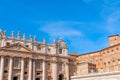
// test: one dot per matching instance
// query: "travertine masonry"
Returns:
(22, 59)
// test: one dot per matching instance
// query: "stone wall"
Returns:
(99, 76)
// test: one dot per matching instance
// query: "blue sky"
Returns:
(84, 24)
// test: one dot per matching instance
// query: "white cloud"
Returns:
(61, 29)
(64, 29)
(76, 39)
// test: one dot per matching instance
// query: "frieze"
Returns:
(29, 53)
(15, 54)
(23, 54)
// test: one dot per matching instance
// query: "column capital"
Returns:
(53, 61)
(23, 58)
(11, 56)
(30, 58)
(44, 60)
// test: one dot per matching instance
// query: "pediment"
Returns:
(18, 47)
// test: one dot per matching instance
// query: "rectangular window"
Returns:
(60, 67)
(96, 61)
(37, 65)
(118, 61)
(38, 47)
(5, 71)
(16, 63)
(60, 51)
(26, 64)
(117, 48)
(37, 79)
(6, 63)
(48, 66)
(105, 64)
(25, 72)
(26, 45)
(7, 44)
(49, 50)
(108, 62)
(112, 51)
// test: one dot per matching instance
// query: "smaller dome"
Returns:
(62, 44)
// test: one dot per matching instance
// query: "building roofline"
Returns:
(98, 50)
(114, 35)
(88, 53)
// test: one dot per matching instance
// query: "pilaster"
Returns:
(22, 69)
(33, 69)
(2, 68)
(30, 70)
(54, 71)
(44, 70)
(67, 71)
(10, 69)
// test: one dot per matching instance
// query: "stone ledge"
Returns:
(96, 75)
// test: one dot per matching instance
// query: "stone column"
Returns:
(54, 71)
(1, 67)
(22, 69)
(3, 42)
(44, 70)
(34, 70)
(30, 70)
(10, 69)
(67, 71)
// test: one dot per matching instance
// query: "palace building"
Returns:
(22, 59)
(99, 65)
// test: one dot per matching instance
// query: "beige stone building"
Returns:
(106, 61)
(22, 59)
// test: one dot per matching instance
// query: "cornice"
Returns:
(33, 55)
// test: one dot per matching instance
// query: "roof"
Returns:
(74, 54)
(114, 35)
(98, 50)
